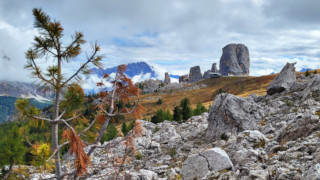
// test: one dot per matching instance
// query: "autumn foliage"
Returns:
(77, 147)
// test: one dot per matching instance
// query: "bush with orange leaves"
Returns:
(122, 90)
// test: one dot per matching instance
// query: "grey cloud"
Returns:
(193, 31)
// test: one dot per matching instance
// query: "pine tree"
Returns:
(177, 114)
(185, 108)
(315, 72)
(49, 44)
(168, 116)
(124, 129)
(307, 73)
(11, 149)
(159, 101)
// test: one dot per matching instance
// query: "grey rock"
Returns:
(214, 68)
(313, 173)
(235, 60)
(195, 74)
(184, 78)
(148, 175)
(206, 74)
(233, 114)
(217, 159)
(195, 166)
(167, 78)
(299, 128)
(259, 174)
(284, 80)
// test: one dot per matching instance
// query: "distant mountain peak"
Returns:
(133, 69)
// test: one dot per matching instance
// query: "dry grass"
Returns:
(240, 86)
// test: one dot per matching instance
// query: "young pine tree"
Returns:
(185, 108)
(11, 150)
(177, 114)
(124, 129)
(307, 73)
(49, 44)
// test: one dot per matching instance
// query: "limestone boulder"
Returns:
(232, 114)
(284, 80)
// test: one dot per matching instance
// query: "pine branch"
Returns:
(84, 65)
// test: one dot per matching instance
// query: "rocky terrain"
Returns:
(235, 60)
(259, 137)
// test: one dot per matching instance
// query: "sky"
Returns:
(171, 35)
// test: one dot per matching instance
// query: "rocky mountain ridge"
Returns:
(259, 137)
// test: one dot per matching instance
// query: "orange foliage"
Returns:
(77, 147)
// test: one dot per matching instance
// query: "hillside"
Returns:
(7, 107)
(241, 86)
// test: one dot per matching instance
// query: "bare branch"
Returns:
(69, 126)
(57, 149)
(75, 117)
(42, 118)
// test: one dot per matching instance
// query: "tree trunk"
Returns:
(9, 172)
(55, 137)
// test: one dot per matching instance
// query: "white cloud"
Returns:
(171, 35)
(174, 80)
(141, 77)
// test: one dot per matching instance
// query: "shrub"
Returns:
(159, 101)
(315, 72)
(173, 152)
(139, 156)
(199, 109)
(307, 73)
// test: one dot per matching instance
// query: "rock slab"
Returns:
(197, 166)
(284, 80)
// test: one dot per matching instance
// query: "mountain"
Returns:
(23, 90)
(7, 107)
(11, 91)
(305, 69)
(133, 69)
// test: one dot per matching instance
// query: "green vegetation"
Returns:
(315, 72)
(173, 152)
(185, 108)
(111, 133)
(138, 156)
(7, 107)
(11, 149)
(159, 101)
(199, 109)
(161, 115)
(307, 73)
(177, 114)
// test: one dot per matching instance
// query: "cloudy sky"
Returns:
(171, 35)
